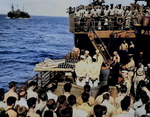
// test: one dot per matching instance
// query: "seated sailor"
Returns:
(93, 73)
(80, 70)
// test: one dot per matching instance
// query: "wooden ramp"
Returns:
(101, 47)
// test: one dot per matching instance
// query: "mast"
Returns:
(23, 8)
(12, 8)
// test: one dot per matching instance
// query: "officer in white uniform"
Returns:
(93, 73)
(81, 71)
(88, 58)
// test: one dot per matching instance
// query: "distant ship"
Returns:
(18, 13)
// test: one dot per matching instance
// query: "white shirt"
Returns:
(112, 11)
(124, 115)
(94, 13)
(82, 13)
(81, 113)
(118, 100)
(93, 70)
(131, 112)
(40, 106)
(50, 95)
(2, 104)
(31, 93)
(78, 14)
(110, 108)
(140, 111)
(99, 11)
(81, 83)
(99, 58)
(80, 69)
(136, 104)
(22, 102)
(120, 12)
(86, 13)
(147, 13)
(106, 12)
(128, 13)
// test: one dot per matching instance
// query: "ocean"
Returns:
(26, 42)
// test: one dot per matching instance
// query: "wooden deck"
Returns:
(116, 33)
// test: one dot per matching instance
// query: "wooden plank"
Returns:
(50, 69)
(106, 34)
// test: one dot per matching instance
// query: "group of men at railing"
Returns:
(105, 17)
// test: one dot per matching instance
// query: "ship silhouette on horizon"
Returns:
(18, 13)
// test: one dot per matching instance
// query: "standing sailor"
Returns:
(76, 52)
(111, 14)
(128, 14)
(93, 73)
(88, 58)
(98, 57)
(78, 18)
(106, 13)
(120, 11)
(124, 52)
(80, 70)
(139, 75)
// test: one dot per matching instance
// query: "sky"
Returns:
(50, 7)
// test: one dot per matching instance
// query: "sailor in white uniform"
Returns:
(98, 57)
(112, 10)
(81, 71)
(88, 58)
(112, 14)
(139, 75)
(93, 73)
(128, 14)
(78, 17)
(106, 13)
(120, 11)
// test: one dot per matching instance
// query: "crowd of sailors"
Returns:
(105, 17)
(128, 95)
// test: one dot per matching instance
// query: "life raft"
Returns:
(122, 20)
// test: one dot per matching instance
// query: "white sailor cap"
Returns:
(148, 65)
(124, 71)
(82, 56)
(118, 86)
(94, 57)
(97, 51)
(87, 52)
(68, 74)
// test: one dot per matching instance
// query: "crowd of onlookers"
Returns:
(108, 17)
(115, 102)
(123, 90)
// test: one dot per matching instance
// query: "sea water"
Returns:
(26, 42)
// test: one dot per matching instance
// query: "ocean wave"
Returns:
(25, 43)
(7, 17)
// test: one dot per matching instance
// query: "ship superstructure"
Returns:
(18, 13)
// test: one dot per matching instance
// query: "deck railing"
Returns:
(42, 79)
(109, 25)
